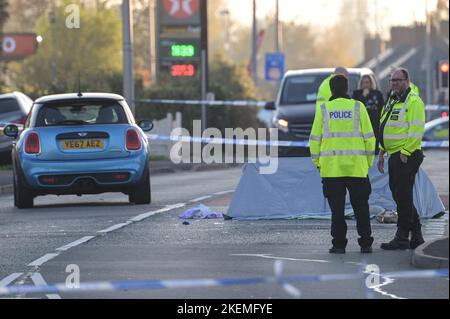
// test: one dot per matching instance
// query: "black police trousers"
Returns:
(335, 189)
(401, 183)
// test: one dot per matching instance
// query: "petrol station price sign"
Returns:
(180, 48)
(179, 38)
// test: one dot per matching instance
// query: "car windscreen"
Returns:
(81, 113)
(9, 105)
(302, 89)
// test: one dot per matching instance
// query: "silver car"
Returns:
(14, 108)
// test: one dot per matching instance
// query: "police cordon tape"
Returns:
(218, 140)
(430, 107)
(203, 102)
(217, 282)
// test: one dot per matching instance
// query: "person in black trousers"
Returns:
(373, 100)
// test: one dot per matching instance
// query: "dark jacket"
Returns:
(374, 104)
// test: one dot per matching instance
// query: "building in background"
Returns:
(406, 48)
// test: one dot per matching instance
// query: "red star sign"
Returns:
(181, 9)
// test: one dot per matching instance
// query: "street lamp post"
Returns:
(254, 46)
(277, 25)
(128, 80)
(226, 14)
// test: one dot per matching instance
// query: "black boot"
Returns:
(400, 241)
(416, 237)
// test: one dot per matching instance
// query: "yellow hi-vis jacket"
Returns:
(342, 143)
(324, 92)
(404, 125)
(414, 88)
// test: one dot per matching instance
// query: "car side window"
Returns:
(9, 105)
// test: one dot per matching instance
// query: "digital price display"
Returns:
(182, 70)
(182, 50)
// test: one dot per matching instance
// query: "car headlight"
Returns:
(282, 125)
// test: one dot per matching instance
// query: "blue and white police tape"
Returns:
(203, 102)
(218, 140)
(430, 107)
(284, 281)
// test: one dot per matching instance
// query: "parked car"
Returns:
(436, 130)
(295, 104)
(14, 108)
(80, 144)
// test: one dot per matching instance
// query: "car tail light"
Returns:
(48, 180)
(22, 120)
(32, 144)
(133, 142)
(120, 177)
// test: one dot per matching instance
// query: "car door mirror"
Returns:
(270, 106)
(11, 130)
(146, 125)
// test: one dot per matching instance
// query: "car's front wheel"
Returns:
(23, 196)
(141, 194)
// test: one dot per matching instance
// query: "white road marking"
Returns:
(114, 227)
(9, 279)
(225, 192)
(200, 198)
(75, 243)
(40, 261)
(143, 216)
(268, 256)
(38, 280)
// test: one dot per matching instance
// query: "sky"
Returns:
(318, 12)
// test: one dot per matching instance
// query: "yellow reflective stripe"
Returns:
(403, 110)
(338, 153)
(314, 156)
(418, 123)
(415, 135)
(402, 136)
(315, 138)
(397, 124)
(343, 134)
(368, 135)
(326, 128)
(395, 136)
(356, 119)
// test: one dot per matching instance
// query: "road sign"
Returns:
(176, 12)
(274, 66)
(18, 45)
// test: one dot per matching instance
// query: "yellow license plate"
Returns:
(82, 144)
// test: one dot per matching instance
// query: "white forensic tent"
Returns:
(295, 191)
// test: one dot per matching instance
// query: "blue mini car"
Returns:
(85, 143)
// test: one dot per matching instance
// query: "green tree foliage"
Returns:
(24, 14)
(93, 51)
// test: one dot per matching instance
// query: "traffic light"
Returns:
(443, 74)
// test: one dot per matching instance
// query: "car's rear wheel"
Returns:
(23, 195)
(141, 194)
